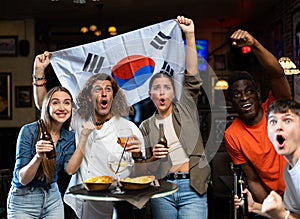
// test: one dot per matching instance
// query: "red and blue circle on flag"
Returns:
(133, 71)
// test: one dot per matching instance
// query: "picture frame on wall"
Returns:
(220, 62)
(296, 37)
(23, 96)
(296, 81)
(5, 96)
(8, 45)
(296, 54)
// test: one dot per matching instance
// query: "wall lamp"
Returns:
(221, 85)
(288, 66)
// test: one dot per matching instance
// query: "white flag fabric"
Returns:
(130, 58)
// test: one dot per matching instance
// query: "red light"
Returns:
(246, 49)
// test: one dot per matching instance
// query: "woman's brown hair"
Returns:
(47, 168)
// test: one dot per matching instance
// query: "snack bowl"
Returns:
(137, 183)
(98, 183)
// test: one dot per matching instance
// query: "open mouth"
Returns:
(280, 139)
(162, 101)
(246, 106)
(103, 103)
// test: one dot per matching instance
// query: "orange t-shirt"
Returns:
(251, 144)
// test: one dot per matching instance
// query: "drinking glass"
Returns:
(119, 162)
(123, 135)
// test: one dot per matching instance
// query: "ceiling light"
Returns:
(93, 28)
(288, 66)
(112, 30)
(84, 30)
(97, 33)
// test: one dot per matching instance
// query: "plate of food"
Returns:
(137, 183)
(98, 183)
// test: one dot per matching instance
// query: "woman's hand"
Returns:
(87, 128)
(160, 151)
(186, 24)
(41, 62)
(43, 146)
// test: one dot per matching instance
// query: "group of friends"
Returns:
(263, 141)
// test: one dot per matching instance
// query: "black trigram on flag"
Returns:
(93, 63)
(166, 68)
(160, 40)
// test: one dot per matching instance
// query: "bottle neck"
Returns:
(46, 134)
(161, 130)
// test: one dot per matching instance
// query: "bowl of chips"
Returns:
(137, 183)
(98, 183)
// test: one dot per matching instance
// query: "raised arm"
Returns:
(279, 84)
(187, 26)
(39, 89)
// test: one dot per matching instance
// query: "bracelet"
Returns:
(140, 157)
(37, 78)
(39, 85)
(287, 214)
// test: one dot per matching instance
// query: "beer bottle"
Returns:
(244, 206)
(162, 138)
(45, 135)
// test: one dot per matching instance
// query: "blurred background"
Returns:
(28, 27)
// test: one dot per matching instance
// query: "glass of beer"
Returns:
(123, 135)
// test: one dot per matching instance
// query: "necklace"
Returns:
(101, 123)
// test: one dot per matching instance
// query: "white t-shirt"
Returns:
(94, 163)
(292, 190)
(176, 152)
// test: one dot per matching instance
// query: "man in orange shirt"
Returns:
(247, 139)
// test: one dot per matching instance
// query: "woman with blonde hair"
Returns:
(34, 191)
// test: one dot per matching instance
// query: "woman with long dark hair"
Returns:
(186, 165)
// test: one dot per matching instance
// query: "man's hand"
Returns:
(242, 38)
(238, 202)
(273, 206)
(134, 145)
